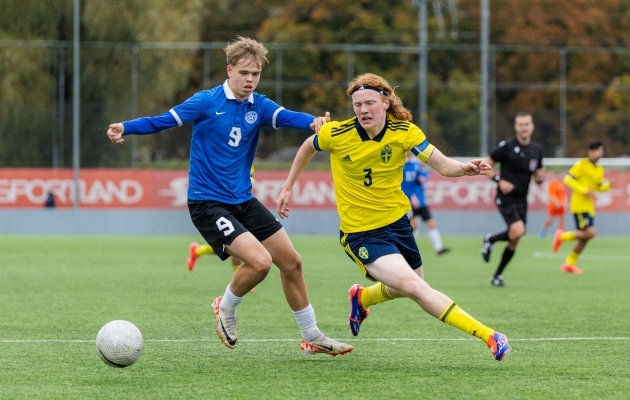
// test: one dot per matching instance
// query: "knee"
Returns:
(590, 233)
(292, 264)
(414, 289)
(516, 233)
(261, 263)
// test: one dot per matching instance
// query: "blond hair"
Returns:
(396, 108)
(245, 49)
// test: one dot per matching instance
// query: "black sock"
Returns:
(505, 259)
(499, 237)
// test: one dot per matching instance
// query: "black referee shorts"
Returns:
(512, 210)
(221, 223)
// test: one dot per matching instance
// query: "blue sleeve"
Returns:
(147, 125)
(292, 119)
(179, 115)
(191, 109)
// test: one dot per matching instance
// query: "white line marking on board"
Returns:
(166, 340)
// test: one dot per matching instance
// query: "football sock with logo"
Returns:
(505, 259)
(375, 294)
(572, 258)
(568, 236)
(204, 249)
(229, 302)
(306, 320)
(455, 316)
(499, 237)
(436, 239)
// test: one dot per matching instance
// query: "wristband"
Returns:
(496, 178)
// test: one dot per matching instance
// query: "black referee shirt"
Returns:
(518, 163)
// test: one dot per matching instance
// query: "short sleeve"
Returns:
(576, 170)
(418, 143)
(323, 140)
(498, 154)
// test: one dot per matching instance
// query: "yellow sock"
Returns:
(235, 267)
(572, 258)
(204, 249)
(374, 294)
(567, 236)
(455, 316)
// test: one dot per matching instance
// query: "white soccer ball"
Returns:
(119, 343)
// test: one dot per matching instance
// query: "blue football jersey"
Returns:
(412, 171)
(224, 139)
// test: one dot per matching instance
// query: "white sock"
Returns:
(229, 301)
(436, 239)
(306, 320)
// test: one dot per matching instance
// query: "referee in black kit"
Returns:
(520, 158)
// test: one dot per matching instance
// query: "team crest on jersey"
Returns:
(386, 153)
(251, 117)
(533, 163)
(363, 253)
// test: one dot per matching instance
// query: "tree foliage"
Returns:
(598, 83)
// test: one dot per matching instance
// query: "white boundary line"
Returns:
(550, 339)
(595, 257)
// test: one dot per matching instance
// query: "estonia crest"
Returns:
(251, 117)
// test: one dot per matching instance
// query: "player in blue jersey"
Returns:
(226, 124)
(415, 175)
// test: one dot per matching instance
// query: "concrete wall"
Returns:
(153, 222)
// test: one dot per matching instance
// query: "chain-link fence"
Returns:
(121, 81)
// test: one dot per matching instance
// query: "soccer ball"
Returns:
(119, 343)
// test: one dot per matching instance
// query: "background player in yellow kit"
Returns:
(584, 178)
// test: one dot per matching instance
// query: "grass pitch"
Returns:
(570, 334)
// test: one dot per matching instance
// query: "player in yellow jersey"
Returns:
(195, 250)
(584, 178)
(367, 154)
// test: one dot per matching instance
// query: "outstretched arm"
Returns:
(452, 168)
(186, 112)
(302, 158)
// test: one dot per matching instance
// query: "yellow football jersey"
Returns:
(584, 176)
(368, 172)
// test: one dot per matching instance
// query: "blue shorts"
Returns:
(395, 238)
(583, 220)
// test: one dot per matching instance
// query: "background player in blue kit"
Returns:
(415, 175)
(226, 124)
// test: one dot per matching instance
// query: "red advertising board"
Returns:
(132, 188)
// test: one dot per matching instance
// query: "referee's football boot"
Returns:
(497, 280)
(486, 248)
(358, 314)
(498, 345)
(325, 345)
(226, 325)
